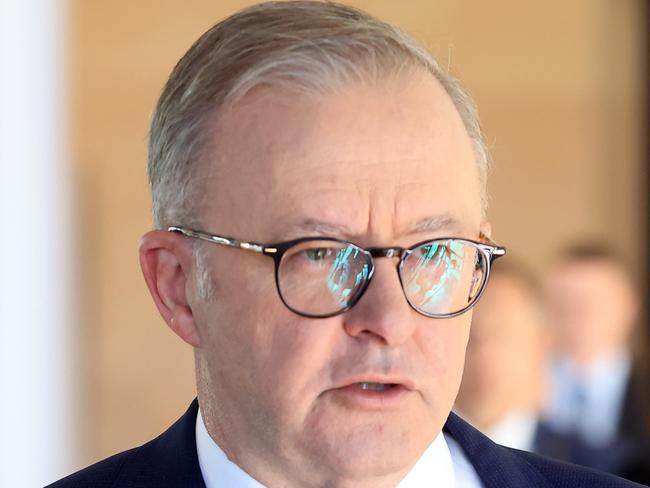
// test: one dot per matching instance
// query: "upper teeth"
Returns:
(374, 386)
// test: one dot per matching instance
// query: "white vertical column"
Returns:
(36, 394)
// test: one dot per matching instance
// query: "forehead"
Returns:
(377, 160)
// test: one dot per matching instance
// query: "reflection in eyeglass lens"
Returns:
(322, 277)
(432, 282)
(346, 266)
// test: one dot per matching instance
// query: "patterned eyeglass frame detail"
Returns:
(487, 247)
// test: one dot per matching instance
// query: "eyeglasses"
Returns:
(321, 277)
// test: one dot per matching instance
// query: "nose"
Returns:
(382, 314)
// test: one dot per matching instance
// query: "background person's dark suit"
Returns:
(628, 455)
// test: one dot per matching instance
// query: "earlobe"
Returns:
(166, 260)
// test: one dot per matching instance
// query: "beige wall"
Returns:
(558, 85)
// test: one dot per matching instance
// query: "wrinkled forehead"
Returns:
(365, 158)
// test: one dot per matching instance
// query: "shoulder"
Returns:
(561, 474)
(170, 460)
(501, 467)
(100, 475)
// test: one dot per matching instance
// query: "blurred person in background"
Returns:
(503, 387)
(597, 408)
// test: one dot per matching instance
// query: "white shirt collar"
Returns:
(437, 463)
(516, 430)
(435, 467)
(217, 470)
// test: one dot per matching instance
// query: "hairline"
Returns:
(175, 165)
(210, 156)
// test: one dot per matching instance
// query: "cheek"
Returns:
(443, 343)
(298, 349)
(268, 352)
(232, 321)
(291, 369)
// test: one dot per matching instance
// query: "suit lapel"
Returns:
(497, 466)
(169, 461)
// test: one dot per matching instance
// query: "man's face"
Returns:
(592, 308)
(373, 165)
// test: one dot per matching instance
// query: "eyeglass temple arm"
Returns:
(224, 241)
(492, 247)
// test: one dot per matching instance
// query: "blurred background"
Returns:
(87, 366)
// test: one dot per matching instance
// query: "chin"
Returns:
(364, 450)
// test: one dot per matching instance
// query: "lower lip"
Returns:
(357, 396)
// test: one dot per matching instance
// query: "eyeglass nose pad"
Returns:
(400, 274)
(397, 254)
(386, 252)
(392, 253)
(390, 271)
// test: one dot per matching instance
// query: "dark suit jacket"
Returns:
(628, 455)
(170, 461)
(634, 426)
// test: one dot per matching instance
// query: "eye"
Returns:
(430, 251)
(318, 253)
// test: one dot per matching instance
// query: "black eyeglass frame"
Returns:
(488, 248)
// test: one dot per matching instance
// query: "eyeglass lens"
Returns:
(443, 277)
(319, 278)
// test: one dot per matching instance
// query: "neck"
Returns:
(283, 471)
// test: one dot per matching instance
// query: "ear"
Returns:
(166, 262)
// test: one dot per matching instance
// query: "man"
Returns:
(331, 356)
(502, 390)
(596, 408)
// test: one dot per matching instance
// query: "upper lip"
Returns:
(404, 381)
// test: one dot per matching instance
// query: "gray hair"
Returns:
(311, 46)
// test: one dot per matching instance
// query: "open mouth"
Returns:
(373, 395)
(376, 386)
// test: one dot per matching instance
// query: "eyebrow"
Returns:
(435, 224)
(320, 227)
